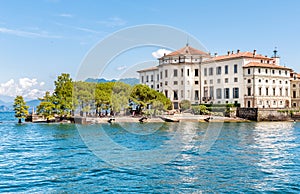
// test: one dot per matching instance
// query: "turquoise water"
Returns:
(58, 158)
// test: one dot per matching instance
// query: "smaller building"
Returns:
(295, 89)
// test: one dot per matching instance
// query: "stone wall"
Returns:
(247, 113)
(268, 114)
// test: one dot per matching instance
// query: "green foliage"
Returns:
(200, 110)
(20, 108)
(143, 95)
(185, 105)
(46, 107)
(62, 95)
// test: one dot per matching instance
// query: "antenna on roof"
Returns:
(275, 52)
(187, 41)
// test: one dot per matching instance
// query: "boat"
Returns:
(167, 119)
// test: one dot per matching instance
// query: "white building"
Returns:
(295, 89)
(245, 78)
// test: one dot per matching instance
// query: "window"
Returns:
(175, 93)
(286, 82)
(267, 91)
(226, 69)
(147, 78)
(274, 102)
(152, 78)
(236, 79)
(196, 82)
(181, 93)
(181, 72)
(267, 81)
(294, 85)
(142, 79)
(249, 81)
(219, 93)
(226, 80)
(218, 81)
(175, 83)
(211, 91)
(166, 83)
(274, 81)
(258, 70)
(279, 72)
(181, 82)
(157, 77)
(211, 81)
(249, 92)
(273, 71)
(280, 91)
(152, 86)
(259, 80)
(205, 71)
(226, 93)
(259, 91)
(211, 71)
(266, 71)
(219, 70)
(175, 72)
(157, 86)
(235, 68)
(249, 71)
(287, 92)
(166, 73)
(188, 72)
(280, 82)
(166, 93)
(285, 72)
(235, 92)
(196, 72)
(294, 94)
(274, 91)
(161, 75)
(205, 82)
(196, 95)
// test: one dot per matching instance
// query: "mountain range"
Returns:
(8, 106)
(129, 81)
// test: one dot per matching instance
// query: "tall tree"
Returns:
(20, 108)
(46, 107)
(63, 94)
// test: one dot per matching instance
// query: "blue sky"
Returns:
(39, 39)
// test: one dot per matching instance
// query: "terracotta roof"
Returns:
(239, 55)
(187, 50)
(148, 69)
(265, 65)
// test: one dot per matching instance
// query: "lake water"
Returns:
(151, 158)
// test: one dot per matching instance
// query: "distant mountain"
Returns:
(130, 81)
(8, 106)
(6, 99)
(33, 104)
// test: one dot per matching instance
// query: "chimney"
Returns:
(238, 51)
(216, 54)
(254, 52)
(228, 52)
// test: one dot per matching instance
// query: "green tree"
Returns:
(46, 107)
(63, 95)
(185, 105)
(20, 108)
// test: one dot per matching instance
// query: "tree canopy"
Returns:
(20, 108)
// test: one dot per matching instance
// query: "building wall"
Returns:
(295, 91)
(271, 87)
(220, 81)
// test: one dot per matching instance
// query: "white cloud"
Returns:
(160, 52)
(27, 34)
(26, 87)
(65, 15)
(113, 22)
(122, 67)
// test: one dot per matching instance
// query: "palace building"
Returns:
(246, 78)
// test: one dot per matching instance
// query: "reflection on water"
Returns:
(244, 158)
(274, 142)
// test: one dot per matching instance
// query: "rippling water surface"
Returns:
(58, 158)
